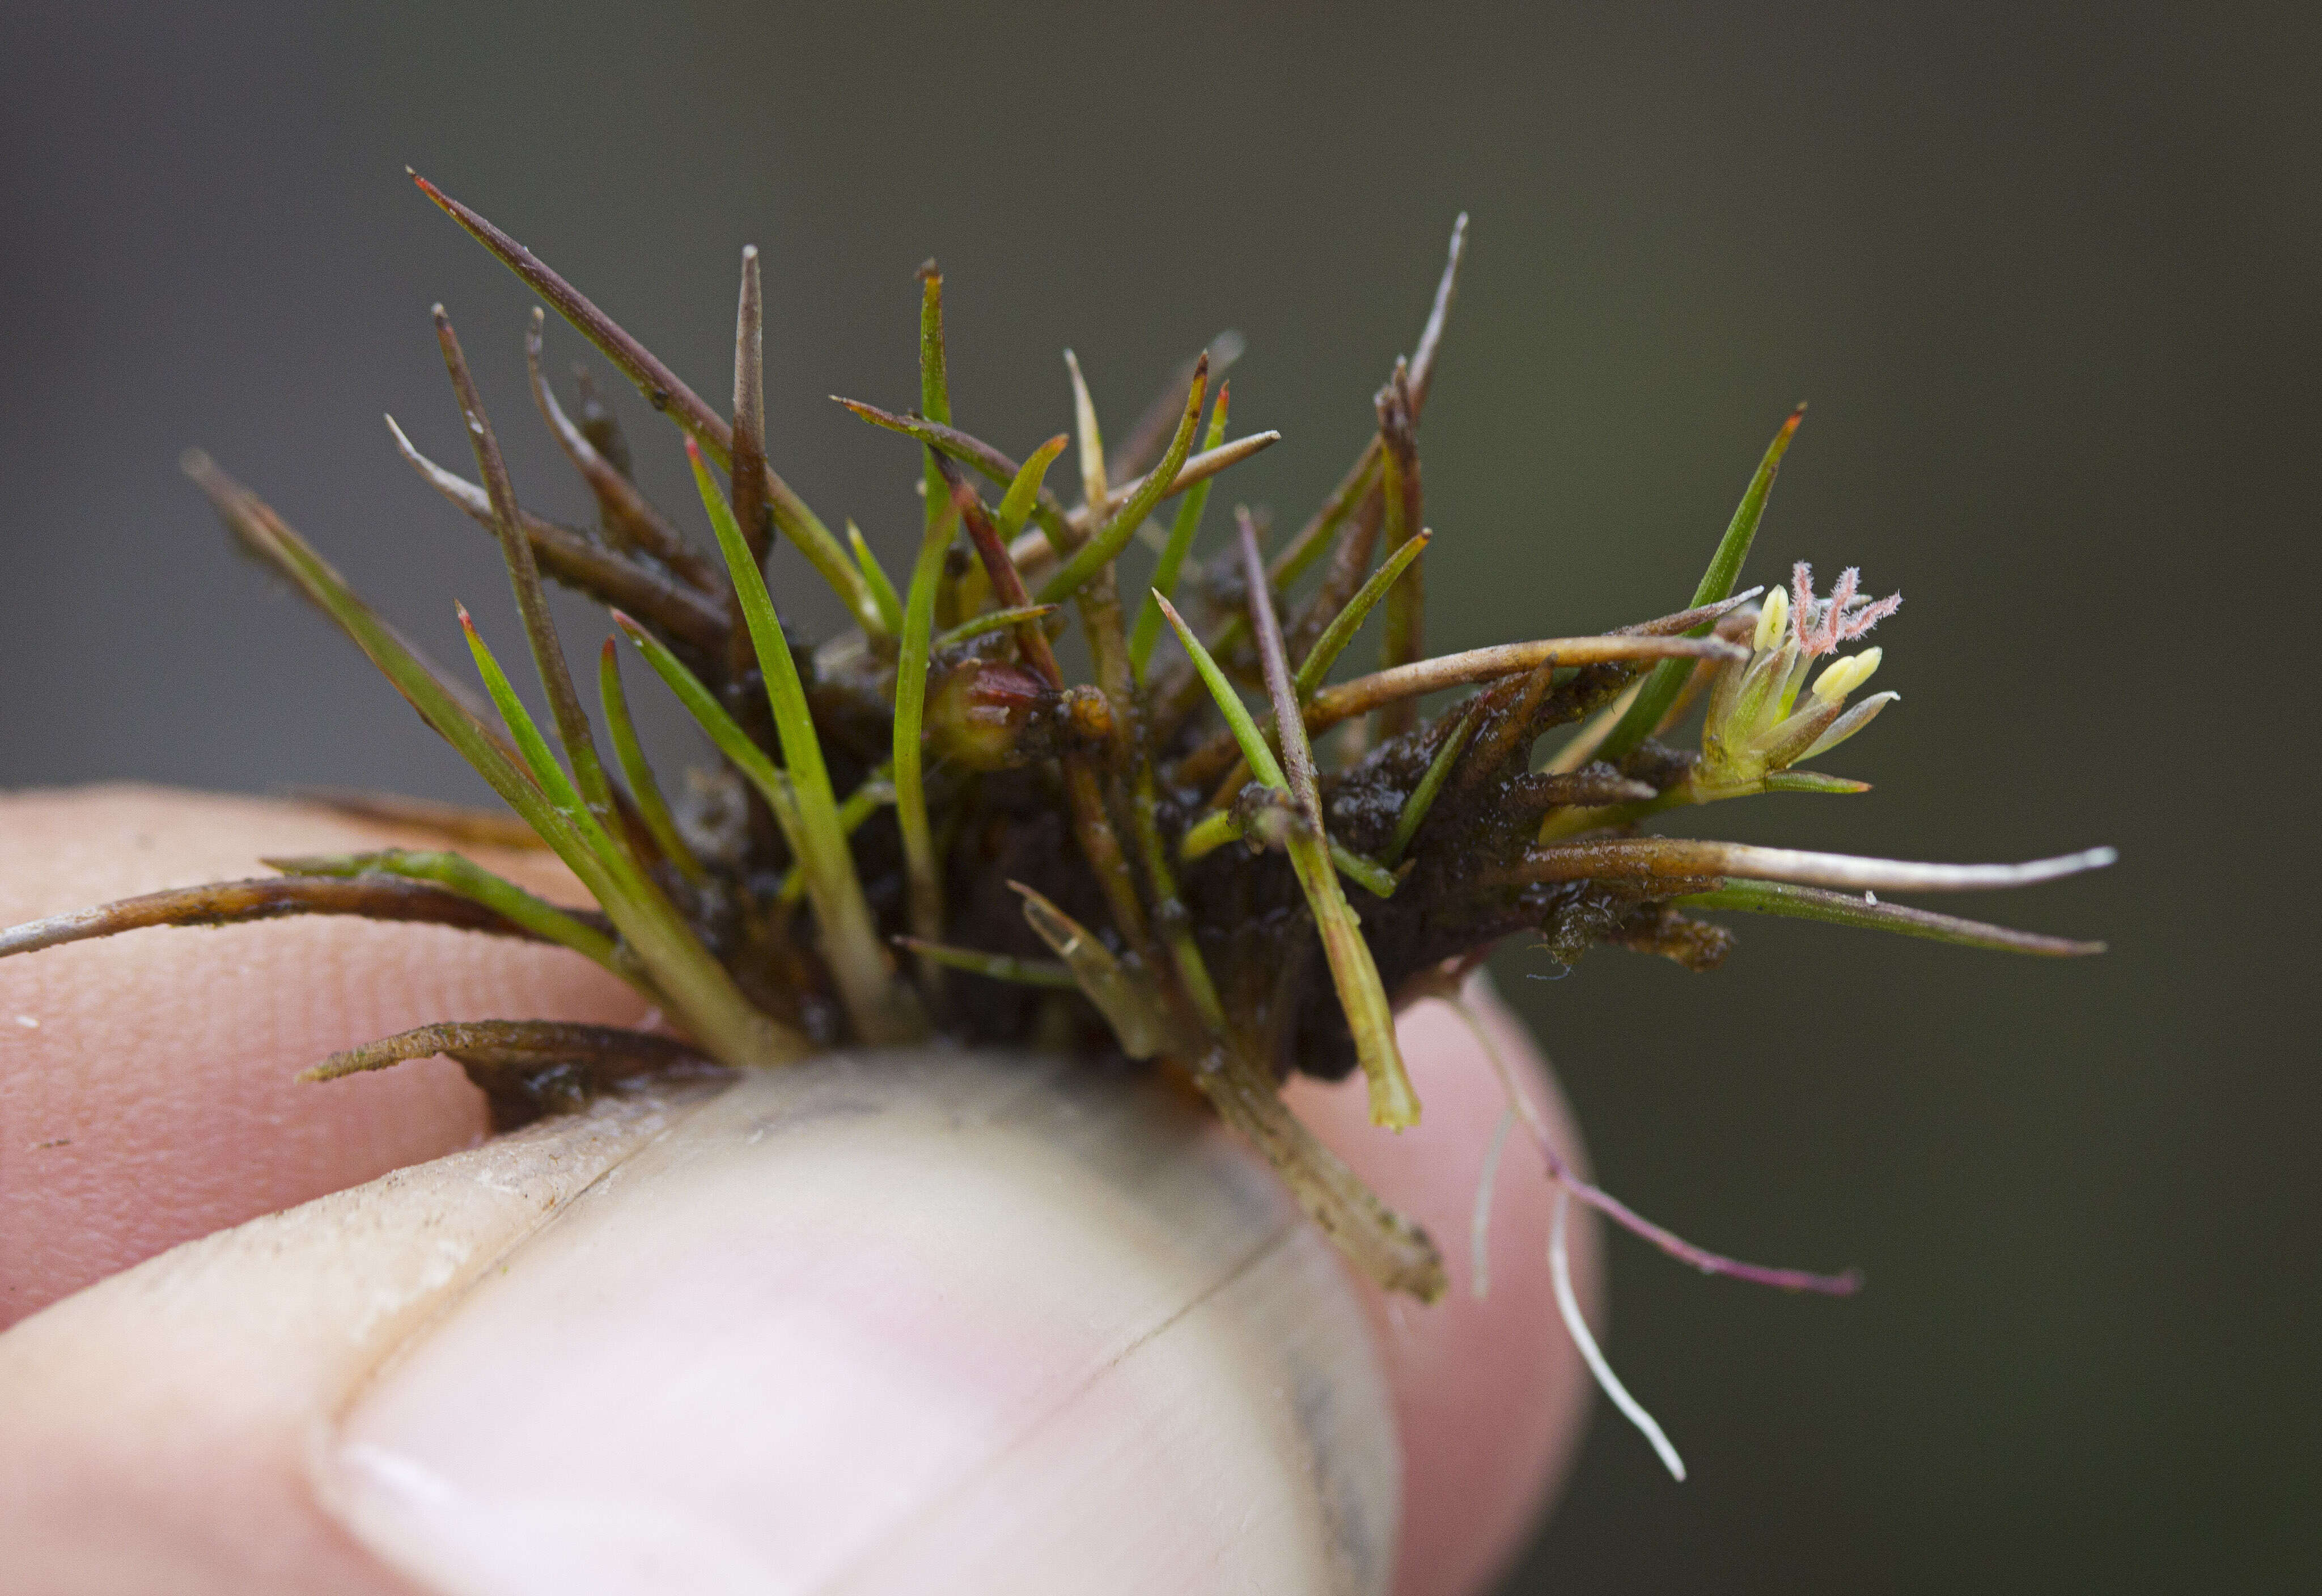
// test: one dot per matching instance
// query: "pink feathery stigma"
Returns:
(1868, 616)
(1820, 625)
(1850, 582)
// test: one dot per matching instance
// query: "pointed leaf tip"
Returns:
(1662, 688)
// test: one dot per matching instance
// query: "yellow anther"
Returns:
(1773, 620)
(1844, 676)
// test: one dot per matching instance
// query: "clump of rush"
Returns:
(923, 830)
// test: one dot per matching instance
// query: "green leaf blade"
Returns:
(878, 1008)
(1246, 735)
(1104, 545)
(1343, 625)
(1667, 679)
(882, 590)
(653, 808)
(1854, 911)
(1183, 530)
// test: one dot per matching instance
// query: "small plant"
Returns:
(924, 829)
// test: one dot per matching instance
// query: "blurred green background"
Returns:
(2046, 274)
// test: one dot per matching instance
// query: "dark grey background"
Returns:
(2046, 274)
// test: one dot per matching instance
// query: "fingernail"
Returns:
(897, 1322)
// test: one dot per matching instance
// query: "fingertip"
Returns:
(150, 1099)
(1490, 1396)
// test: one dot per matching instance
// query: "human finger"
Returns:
(146, 1080)
(1491, 1398)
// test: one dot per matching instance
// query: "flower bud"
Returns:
(988, 715)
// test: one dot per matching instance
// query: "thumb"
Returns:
(896, 1323)
(901, 1323)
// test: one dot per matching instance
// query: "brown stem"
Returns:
(532, 1067)
(630, 517)
(580, 562)
(523, 575)
(1332, 705)
(665, 393)
(1000, 569)
(1403, 632)
(1677, 859)
(257, 528)
(1147, 440)
(1384, 1245)
(459, 823)
(274, 897)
